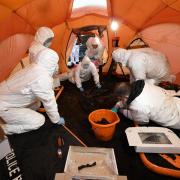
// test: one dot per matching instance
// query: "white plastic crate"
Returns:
(153, 140)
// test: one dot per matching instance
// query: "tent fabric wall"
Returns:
(11, 23)
(135, 13)
(164, 37)
(25, 16)
(60, 42)
(14, 4)
(11, 51)
(138, 14)
(165, 16)
(4, 12)
(172, 4)
(44, 12)
(125, 33)
(14, 25)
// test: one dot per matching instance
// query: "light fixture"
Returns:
(114, 25)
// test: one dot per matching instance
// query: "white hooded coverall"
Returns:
(156, 104)
(79, 74)
(75, 53)
(145, 63)
(96, 55)
(42, 34)
(20, 95)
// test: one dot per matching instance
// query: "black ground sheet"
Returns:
(35, 154)
(36, 151)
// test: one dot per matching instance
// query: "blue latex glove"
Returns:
(98, 85)
(81, 89)
(61, 121)
(114, 110)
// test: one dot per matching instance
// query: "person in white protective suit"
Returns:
(74, 57)
(42, 40)
(81, 73)
(95, 51)
(142, 102)
(21, 94)
(144, 63)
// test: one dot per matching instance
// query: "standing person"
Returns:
(95, 51)
(146, 64)
(74, 57)
(142, 102)
(21, 94)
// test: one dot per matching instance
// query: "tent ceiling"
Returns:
(14, 4)
(136, 14)
(44, 12)
(175, 4)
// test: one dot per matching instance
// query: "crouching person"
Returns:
(81, 73)
(146, 64)
(21, 94)
(142, 102)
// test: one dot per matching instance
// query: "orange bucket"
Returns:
(103, 132)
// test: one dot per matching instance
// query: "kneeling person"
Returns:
(141, 102)
(81, 73)
(21, 94)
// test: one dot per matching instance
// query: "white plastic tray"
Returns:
(104, 157)
(153, 140)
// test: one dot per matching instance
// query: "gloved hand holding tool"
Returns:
(81, 89)
(61, 121)
(98, 86)
(114, 109)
